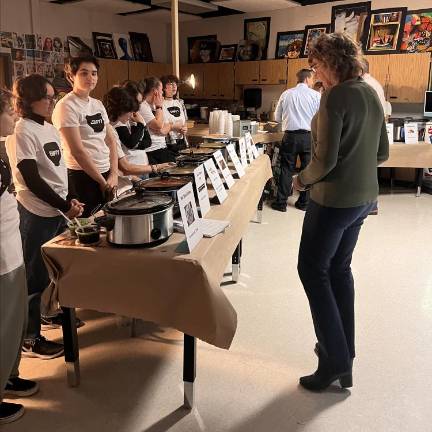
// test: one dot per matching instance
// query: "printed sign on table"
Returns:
(236, 161)
(411, 133)
(189, 215)
(390, 136)
(223, 166)
(243, 157)
(254, 148)
(215, 180)
(201, 189)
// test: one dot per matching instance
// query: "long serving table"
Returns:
(161, 284)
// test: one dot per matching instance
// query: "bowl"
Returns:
(73, 226)
(88, 234)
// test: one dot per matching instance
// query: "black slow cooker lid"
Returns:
(140, 203)
(164, 183)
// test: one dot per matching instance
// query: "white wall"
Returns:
(229, 30)
(64, 20)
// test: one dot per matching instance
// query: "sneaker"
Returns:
(10, 412)
(20, 387)
(55, 322)
(278, 207)
(41, 348)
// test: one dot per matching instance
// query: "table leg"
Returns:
(419, 180)
(392, 170)
(236, 259)
(260, 208)
(189, 370)
(71, 349)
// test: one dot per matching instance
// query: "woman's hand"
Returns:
(158, 99)
(137, 118)
(76, 209)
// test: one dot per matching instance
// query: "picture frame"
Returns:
(123, 46)
(312, 32)
(141, 48)
(351, 19)
(249, 51)
(417, 32)
(227, 53)
(104, 45)
(289, 44)
(385, 30)
(76, 47)
(258, 29)
(194, 45)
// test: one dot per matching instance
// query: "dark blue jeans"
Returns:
(35, 231)
(327, 244)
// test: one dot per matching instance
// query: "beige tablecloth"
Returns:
(161, 284)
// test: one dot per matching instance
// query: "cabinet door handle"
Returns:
(393, 97)
(263, 79)
(254, 80)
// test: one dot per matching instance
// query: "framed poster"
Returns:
(6, 40)
(75, 47)
(123, 46)
(258, 30)
(312, 33)
(417, 32)
(141, 48)
(385, 30)
(227, 53)
(289, 44)
(200, 48)
(351, 19)
(104, 45)
(248, 51)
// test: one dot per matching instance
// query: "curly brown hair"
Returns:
(340, 53)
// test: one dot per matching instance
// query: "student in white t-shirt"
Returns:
(40, 180)
(152, 111)
(13, 288)
(87, 137)
(175, 113)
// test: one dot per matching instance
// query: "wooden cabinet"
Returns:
(294, 65)
(185, 72)
(211, 81)
(102, 84)
(408, 77)
(137, 70)
(226, 80)
(117, 71)
(379, 68)
(247, 72)
(158, 69)
(273, 71)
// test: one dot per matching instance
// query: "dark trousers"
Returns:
(160, 156)
(35, 231)
(86, 190)
(294, 144)
(329, 237)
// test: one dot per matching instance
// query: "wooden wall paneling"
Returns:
(117, 71)
(137, 70)
(102, 84)
(159, 69)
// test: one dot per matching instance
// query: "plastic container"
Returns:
(88, 234)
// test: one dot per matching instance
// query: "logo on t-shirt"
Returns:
(52, 150)
(96, 122)
(174, 111)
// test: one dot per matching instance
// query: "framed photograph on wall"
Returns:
(141, 48)
(385, 30)
(196, 44)
(104, 45)
(289, 44)
(351, 19)
(123, 46)
(417, 32)
(311, 33)
(258, 30)
(74, 47)
(248, 51)
(227, 53)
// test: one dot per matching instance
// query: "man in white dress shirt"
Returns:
(370, 80)
(295, 110)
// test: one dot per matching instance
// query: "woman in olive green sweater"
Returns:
(349, 140)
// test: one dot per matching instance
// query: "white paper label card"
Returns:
(411, 133)
(223, 166)
(389, 127)
(215, 180)
(249, 151)
(201, 189)
(243, 157)
(189, 215)
(428, 133)
(254, 148)
(236, 161)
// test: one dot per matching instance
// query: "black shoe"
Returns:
(279, 207)
(21, 387)
(55, 322)
(41, 348)
(300, 206)
(9, 412)
(318, 381)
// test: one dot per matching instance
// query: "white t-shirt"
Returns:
(174, 112)
(138, 157)
(91, 118)
(41, 143)
(158, 140)
(11, 256)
